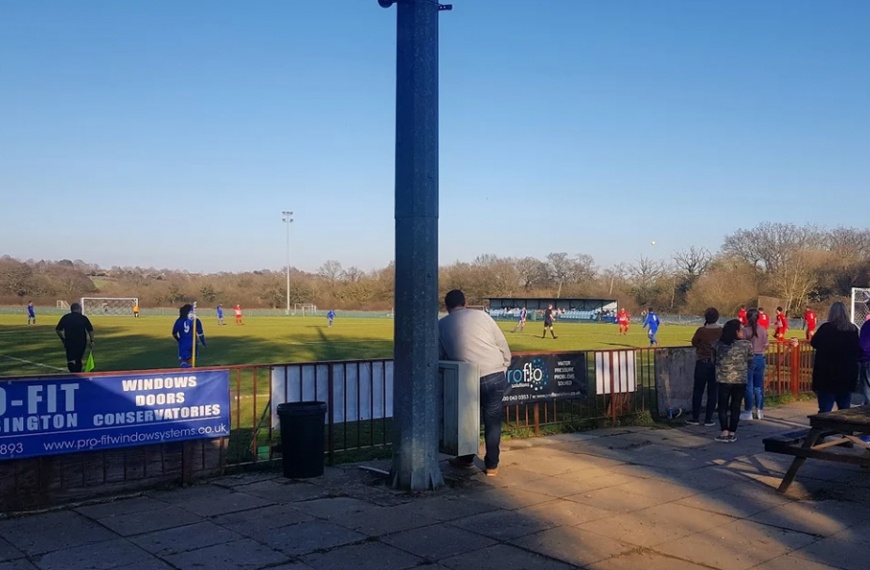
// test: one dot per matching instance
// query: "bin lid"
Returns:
(301, 408)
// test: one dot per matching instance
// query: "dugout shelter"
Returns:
(570, 309)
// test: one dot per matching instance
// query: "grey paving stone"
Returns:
(378, 521)
(735, 546)
(255, 522)
(792, 562)
(656, 525)
(283, 493)
(438, 542)
(211, 505)
(574, 545)
(306, 538)
(152, 564)
(8, 552)
(822, 518)
(646, 561)
(126, 506)
(446, 507)
(20, 564)
(295, 565)
(335, 507)
(184, 538)
(617, 500)
(737, 500)
(658, 489)
(46, 532)
(564, 513)
(99, 556)
(547, 461)
(242, 554)
(502, 525)
(839, 553)
(511, 498)
(502, 557)
(149, 521)
(366, 556)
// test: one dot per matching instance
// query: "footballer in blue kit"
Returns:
(220, 315)
(182, 332)
(652, 322)
(330, 316)
(31, 314)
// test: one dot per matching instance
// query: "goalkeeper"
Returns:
(182, 332)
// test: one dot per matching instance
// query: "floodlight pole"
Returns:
(416, 403)
(287, 219)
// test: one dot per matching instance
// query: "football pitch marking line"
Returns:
(33, 363)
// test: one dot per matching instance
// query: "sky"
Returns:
(173, 134)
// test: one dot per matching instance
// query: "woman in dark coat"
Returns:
(835, 371)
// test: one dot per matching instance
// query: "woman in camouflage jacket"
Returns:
(732, 355)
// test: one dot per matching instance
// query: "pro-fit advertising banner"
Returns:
(49, 416)
(546, 376)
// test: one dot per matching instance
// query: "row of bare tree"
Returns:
(799, 264)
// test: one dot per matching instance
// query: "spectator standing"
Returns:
(472, 336)
(757, 337)
(732, 355)
(835, 368)
(705, 370)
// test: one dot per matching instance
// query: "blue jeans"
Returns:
(755, 383)
(827, 400)
(705, 378)
(864, 380)
(492, 390)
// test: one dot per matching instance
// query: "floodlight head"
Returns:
(386, 3)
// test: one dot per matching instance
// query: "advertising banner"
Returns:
(546, 376)
(51, 416)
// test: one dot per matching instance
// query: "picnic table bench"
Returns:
(845, 427)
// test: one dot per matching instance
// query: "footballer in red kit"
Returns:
(810, 321)
(781, 325)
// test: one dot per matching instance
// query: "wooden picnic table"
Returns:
(828, 434)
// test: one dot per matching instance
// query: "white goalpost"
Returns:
(62, 304)
(109, 306)
(306, 309)
(860, 297)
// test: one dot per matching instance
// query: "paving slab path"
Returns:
(615, 499)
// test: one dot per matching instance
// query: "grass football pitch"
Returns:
(125, 343)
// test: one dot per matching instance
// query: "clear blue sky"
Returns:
(566, 125)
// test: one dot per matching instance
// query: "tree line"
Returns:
(801, 265)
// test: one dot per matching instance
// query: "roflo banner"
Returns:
(49, 416)
(534, 377)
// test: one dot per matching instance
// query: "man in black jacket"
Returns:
(75, 332)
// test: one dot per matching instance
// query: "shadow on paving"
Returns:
(621, 498)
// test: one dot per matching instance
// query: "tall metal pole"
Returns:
(287, 220)
(415, 375)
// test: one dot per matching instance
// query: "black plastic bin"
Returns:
(302, 438)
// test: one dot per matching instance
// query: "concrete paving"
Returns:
(615, 499)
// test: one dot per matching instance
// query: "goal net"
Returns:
(62, 304)
(110, 306)
(860, 297)
(305, 309)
